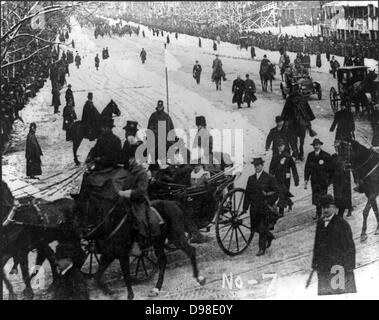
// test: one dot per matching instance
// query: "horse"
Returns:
(217, 75)
(76, 131)
(365, 165)
(267, 73)
(117, 234)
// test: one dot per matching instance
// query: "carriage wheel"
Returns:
(334, 99)
(92, 258)
(233, 230)
(144, 266)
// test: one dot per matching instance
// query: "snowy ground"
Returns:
(136, 89)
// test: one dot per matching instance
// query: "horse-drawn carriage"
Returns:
(302, 77)
(354, 89)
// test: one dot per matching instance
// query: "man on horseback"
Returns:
(90, 118)
(298, 115)
(217, 67)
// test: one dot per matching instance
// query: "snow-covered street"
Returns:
(136, 88)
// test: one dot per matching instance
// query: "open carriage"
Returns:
(354, 89)
(215, 203)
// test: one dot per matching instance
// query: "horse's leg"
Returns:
(374, 206)
(190, 251)
(125, 268)
(23, 258)
(76, 143)
(301, 147)
(105, 260)
(162, 262)
(8, 285)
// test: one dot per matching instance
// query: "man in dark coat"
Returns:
(78, 60)
(280, 167)
(107, 150)
(71, 284)
(203, 138)
(334, 65)
(56, 98)
(347, 61)
(131, 129)
(155, 121)
(90, 119)
(196, 72)
(250, 89)
(344, 121)
(334, 252)
(280, 132)
(69, 117)
(199, 42)
(252, 52)
(33, 154)
(238, 89)
(318, 170)
(69, 95)
(341, 180)
(97, 61)
(143, 55)
(261, 194)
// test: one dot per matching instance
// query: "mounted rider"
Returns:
(217, 65)
(90, 118)
(264, 64)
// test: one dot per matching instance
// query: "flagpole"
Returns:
(168, 107)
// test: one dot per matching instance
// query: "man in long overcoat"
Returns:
(56, 98)
(344, 121)
(280, 132)
(318, 170)
(33, 154)
(334, 252)
(238, 89)
(261, 193)
(69, 95)
(90, 118)
(281, 166)
(69, 117)
(196, 72)
(249, 96)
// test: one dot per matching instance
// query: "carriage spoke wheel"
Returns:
(144, 266)
(233, 230)
(92, 258)
(334, 99)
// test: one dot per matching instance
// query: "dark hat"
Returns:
(154, 167)
(247, 75)
(160, 103)
(200, 121)
(63, 250)
(90, 95)
(33, 125)
(264, 56)
(326, 200)
(107, 122)
(279, 119)
(257, 161)
(131, 126)
(317, 141)
(69, 86)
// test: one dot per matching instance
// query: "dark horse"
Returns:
(77, 130)
(267, 73)
(217, 75)
(365, 165)
(115, 234)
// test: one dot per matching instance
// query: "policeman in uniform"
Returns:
(280, 167)
(318, 170)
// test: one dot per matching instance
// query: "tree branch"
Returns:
(24, 59)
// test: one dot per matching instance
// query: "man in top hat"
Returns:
(196, 72)
(107, 149)
(203, 138)
(90, 118)
(131, 129)
(261, 194)
(334, 251)
(280, 132)
(280, 167)
(33, 154)
(69, 95)
(344, 121)
(318, 170)
(160, 118)
(69, 117)
(71, 284)
(238, 88)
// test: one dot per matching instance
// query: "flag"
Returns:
(170, 62)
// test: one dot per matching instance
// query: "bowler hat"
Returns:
(200, 121)
(131, 126)
(257, 161)
(326, 200)
(316, 141)
(278, 118)
(69, 86)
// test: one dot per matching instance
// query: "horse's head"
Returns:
(112, 109)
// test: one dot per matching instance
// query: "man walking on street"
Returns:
(196, 72)
(33, 154)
